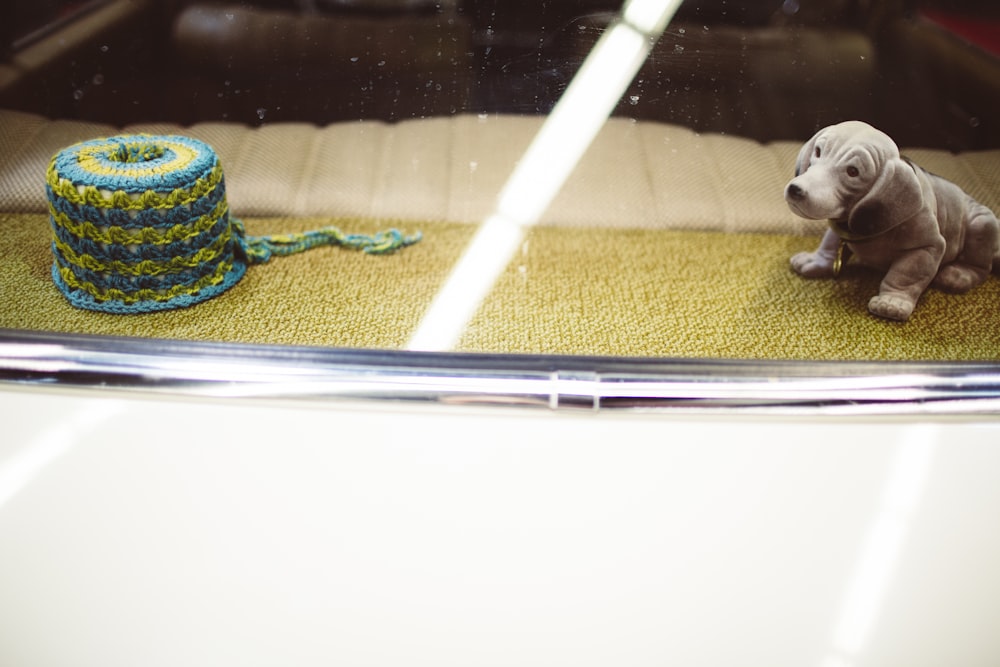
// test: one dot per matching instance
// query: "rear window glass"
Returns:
(648, 180)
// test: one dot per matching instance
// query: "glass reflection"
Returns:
(22, 462)
(417, 111)
(545, 166)
(883, 545)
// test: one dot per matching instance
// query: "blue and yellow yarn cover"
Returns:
(141, 224)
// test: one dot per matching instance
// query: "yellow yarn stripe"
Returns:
(146, 267)
(146, 294)
(92, 196)
(89, 159)
(145, 235)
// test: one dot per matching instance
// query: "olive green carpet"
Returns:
(583, 291)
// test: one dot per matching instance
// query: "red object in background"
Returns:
(982, 31)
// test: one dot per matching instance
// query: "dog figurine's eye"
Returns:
(817, 151)
(853, 172)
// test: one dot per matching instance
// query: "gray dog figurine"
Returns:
(892, 216)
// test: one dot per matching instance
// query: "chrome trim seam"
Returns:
(551, 382)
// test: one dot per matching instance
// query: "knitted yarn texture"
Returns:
(141, 223)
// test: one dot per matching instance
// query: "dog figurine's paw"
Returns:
(812, 265)
(959, 278)
(891, 307)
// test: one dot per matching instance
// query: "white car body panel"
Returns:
(138, 528)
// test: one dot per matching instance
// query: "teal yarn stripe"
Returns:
(260, 249)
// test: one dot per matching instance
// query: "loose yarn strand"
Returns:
(260, 249)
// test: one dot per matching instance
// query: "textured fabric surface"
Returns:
(328, 296)
(635, 174)
(655, 293)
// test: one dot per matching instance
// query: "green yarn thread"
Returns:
(260, 249)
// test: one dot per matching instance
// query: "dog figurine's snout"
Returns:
(794, 191)
(893, 216)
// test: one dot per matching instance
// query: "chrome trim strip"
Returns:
(551, 382)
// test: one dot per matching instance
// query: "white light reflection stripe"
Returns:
(880, 552)
(562, 140)
(573, 124)
(51, 443)
(650, 16)
(471, 279)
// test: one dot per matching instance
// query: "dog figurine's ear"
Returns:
(894, 198)
(805, 155)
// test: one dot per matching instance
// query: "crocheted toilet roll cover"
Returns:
(141, 223)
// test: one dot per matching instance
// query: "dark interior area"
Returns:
(926, 72)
